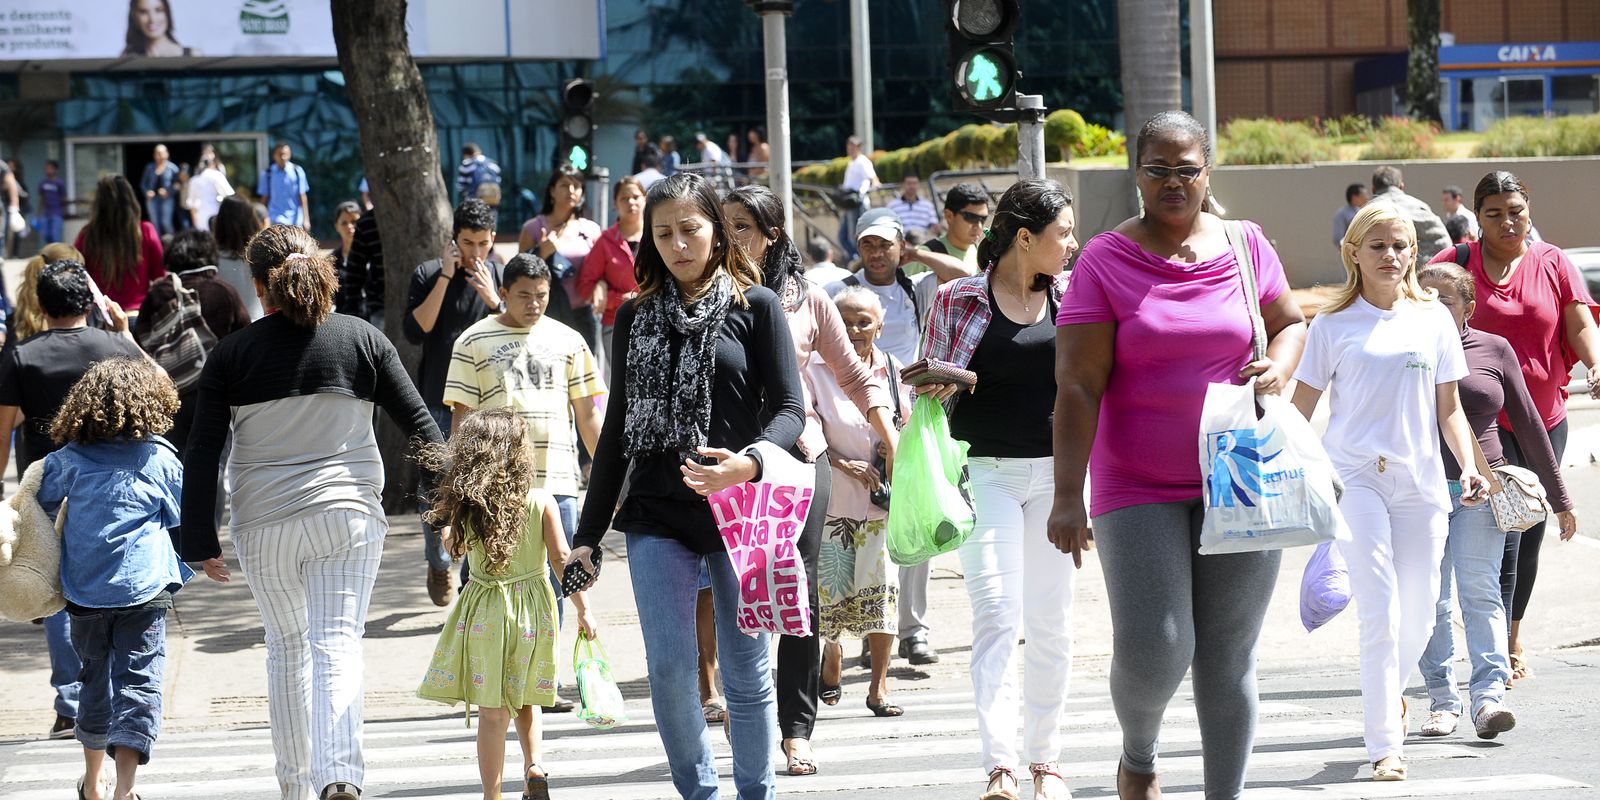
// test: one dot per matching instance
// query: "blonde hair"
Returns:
(28, 318)
(1370, 215)
(485, 472)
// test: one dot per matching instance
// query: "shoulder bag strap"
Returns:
(1252, 297)
(1488, 473)
(1463, 254)
(894, 387)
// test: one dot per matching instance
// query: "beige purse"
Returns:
(1516, 497)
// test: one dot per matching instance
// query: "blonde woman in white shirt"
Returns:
(1389, 356)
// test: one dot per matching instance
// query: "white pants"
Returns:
(1019, 585)
(1397, 541)
(312, 579)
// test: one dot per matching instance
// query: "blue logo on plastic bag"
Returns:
(1239, 468)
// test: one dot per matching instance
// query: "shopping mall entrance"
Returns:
(88, 158)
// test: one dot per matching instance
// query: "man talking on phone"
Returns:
(447, 296)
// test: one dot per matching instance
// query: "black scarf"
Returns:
(669, 400)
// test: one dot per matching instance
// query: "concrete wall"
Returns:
(1295, 204)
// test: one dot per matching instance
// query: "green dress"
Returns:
(498, 646)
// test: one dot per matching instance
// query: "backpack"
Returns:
(179, 339)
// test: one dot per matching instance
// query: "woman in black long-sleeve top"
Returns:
(703, 369)
(298, 387)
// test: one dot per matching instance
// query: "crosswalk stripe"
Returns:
(1416, 787)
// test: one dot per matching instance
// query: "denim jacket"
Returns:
(121, 499)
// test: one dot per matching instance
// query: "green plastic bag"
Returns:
(932, 508)
(599, 699)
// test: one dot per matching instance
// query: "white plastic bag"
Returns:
(1268, 482)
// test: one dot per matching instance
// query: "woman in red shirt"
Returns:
(606, 276)
(122, 253)
(1531, 294)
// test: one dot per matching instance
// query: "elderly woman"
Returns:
(857, 586)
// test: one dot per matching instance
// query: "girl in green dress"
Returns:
(498, 647)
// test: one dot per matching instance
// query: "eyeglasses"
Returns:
(1157, 172)
(974, 219)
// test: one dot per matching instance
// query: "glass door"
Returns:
(1522, 97)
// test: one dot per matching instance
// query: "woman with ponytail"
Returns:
(1001, 325)
(755, 216)
(296, 390)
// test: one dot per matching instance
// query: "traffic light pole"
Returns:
(861, 72)
(602, 179)
(1030, 136)
(778, 170)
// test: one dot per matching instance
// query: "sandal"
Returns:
(1519, 669)
(1390, 768)
(536, 787)
(714, 710)
(997, 785)
(799, 765)
(1048, 769)
(830, 694)
(885, 709)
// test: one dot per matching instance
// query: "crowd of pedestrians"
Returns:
(669, 356)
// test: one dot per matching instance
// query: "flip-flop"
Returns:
(830, 694)
(714, 711)
(885, 709)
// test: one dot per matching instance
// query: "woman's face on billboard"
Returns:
(151, 15)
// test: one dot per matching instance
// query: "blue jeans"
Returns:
(1472, 555)
(665, 586)
(49, 228)
(124, 651)
(432, 541)
(161, 214)
(64, 663)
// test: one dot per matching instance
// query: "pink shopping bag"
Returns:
(760, 524)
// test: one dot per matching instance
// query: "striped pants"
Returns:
(312, 579)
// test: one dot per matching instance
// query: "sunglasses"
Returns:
(1156, 172)
(973, 219)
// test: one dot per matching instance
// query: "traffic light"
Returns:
(577, 125)
(983, 64)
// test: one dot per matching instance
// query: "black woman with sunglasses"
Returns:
(1155, 312)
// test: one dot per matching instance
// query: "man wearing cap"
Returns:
(906, 299)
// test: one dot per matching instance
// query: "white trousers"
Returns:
(1020, 585)
(1397, 542)
(312, 579)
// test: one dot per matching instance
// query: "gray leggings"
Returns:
(1173, 609)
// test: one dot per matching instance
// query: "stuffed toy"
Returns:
(30, 553)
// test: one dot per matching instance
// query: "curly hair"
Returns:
(485, 472)
(118, 398)
(300, 280)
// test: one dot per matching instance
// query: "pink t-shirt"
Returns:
(1180, 327)
(1527, 313)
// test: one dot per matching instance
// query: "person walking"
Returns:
(860, 178)
(504, 626)
(1356, 195)
(1001, 325)
(563, 237)
(1475, 545)
(122, 253)
(52, 204)
(1390, 358)
(1389, 188)
(238, 221)
(207, 189)
(607, 275)
(160, 187)
(1145, 325)
(1531, 294)
(297, 390)
(283, 187)
(705, 369)
(755, 216)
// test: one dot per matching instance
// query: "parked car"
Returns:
(1587, 260)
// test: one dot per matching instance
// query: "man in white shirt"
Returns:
(823, 271)
(650, 174)
(859, 179)
(1453, 207)
(914, 212)
(710, 153)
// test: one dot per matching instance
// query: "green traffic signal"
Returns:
(579, 158)
(983, 78)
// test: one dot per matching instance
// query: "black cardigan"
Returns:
(755, 396)
(273, 359)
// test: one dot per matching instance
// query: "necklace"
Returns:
(1026, 298)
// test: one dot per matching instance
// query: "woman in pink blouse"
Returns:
(756, 217)
(1154, 312)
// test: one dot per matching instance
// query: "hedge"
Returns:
(1524, 137)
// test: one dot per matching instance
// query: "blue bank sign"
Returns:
(1540, 56)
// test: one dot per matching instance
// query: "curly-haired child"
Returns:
(120, 482)
(498, 646)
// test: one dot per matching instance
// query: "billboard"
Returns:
(157, 34)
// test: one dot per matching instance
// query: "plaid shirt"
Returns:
(960, 316)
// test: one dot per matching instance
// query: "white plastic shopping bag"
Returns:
(760, 524)
(1268, 482)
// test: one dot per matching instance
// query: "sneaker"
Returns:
(1441, 723)
(341, 791)
(440, 589)
(918, 652)
(1493, 719)
(65, 728)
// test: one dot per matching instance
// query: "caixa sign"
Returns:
(1520, 57)
(1522, 53)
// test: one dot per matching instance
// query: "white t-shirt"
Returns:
(859, 176)
(1383, 367)
(206, 192)
(902, 335)
(1462, 212)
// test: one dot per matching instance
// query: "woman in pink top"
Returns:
(756, 217)
(1530, 294)
(563, 230)
(122, 253)
(1153, 313)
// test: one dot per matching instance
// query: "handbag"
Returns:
(180, 340)
(932, 370)
(1516, 497)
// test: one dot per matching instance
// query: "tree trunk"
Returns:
(1422, 64)
(1152, 78)
(400, 151)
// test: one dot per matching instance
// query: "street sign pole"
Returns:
(602, 179)
(1030, 136)
(778, 171)
(861, 72)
